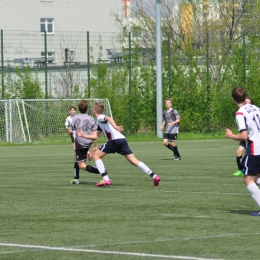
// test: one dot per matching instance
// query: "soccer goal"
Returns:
(38, 120)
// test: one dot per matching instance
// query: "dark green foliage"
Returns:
(22, 83)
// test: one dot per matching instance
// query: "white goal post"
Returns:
(39, 120)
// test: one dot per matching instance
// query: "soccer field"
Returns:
(198, 211)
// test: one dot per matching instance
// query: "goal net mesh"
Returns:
(39, 120)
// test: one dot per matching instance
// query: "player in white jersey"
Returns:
(88, 126)
(116, 143)
(248, 123)
(241, 148)
(68, 124)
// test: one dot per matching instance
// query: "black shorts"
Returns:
(116, 146)
(81, 154)
(251, 165)
(170, 137)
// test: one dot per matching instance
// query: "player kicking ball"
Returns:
(116, 143)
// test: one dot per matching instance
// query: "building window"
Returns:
(136, 32)
(47, 24)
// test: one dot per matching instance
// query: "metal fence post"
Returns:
(169, 64)
(208, 89)
(2, 65)
(244, 59)
(88, 57)
(45, 65)
(130, 79)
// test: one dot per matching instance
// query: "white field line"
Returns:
(169, 239)
(105, 252)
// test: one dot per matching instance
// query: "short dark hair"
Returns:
(83, 106)
(73, 107)
(239, 94)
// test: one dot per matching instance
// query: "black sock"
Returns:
(92, 169)
(170, 147)
(176, 151)
(239, 160)
(76, 171)
(104, 174)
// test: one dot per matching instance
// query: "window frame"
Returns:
(46, 23)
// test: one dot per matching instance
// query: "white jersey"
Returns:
(248, 118)
(68, 123)
(109, 131)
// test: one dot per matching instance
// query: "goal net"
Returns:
(39, 120)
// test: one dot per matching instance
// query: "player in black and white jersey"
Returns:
(248, 123)
(68, 124)
(241, 148)
(88, 126)
(171, 120)
(116, 143)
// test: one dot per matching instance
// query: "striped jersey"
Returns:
(248, 118)
(109, 131)
(86, 124)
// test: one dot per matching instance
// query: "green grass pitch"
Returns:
(199, 210)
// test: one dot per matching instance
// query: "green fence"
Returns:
(121, 67)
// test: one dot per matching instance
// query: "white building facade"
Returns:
(59, 15)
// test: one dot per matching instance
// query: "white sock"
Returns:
(100, 166)
(144, 168)
(255, 192)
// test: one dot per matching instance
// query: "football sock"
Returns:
(144, 168)
(101, 169)
(176, 151)
(255, 192)
(239, 160)
(170, 147)
(92, 169)
(104, 176)
(76, 171)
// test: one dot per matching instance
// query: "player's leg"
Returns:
(166, 142)
(172, 142)
(81, 155)
(240, 150)
(132, 159)
(98, 155)
(251, 169)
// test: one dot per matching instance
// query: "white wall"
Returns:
(69, 15)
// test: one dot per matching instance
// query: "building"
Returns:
(59, 15)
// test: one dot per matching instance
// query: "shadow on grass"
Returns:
(242, 212)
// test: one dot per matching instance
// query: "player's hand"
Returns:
(74, 146)
(229, 133)
(120, 128)
(79, 133)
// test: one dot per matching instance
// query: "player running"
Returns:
(116, 143)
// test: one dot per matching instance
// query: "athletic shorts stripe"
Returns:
(251, 165)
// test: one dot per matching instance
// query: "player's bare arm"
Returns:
(113, 123)
(241, 136)
(93, 136)
(174, 122)
(163, 124)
